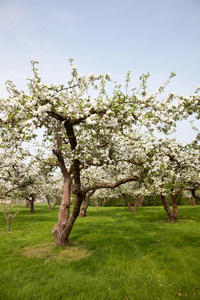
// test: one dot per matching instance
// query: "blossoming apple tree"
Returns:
(163, 167)
(175, 168)
(129, 154)
(13, 183)
(82, 123)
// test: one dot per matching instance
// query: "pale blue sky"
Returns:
(156, 36)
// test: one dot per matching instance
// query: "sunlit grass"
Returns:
(114, 254)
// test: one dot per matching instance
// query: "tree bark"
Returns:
(86, 203)
(65, 201)
(54, 204)
(31, 202)
(63, 215)
(84, 208)
(171, 217)
(175, 207)
(49, 203)
(141, 201)
(135, 203)
(193, 200)
(31, 207)
(61, 231)
(127, 202)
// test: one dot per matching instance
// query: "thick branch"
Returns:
(63, 117)
(58, 154)
(70, 133)
(110, 185)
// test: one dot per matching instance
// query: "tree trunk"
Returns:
(27, 203)
(141, 201)
(33, 198)
(175, 207)
(61, 230)
(135, 203)
(49, 203)
(84, 208)
(31, 202)
(127, 202)
(31, 207)
(171, 217)
(86, 203)
(193, 200)
(194, 197)
(103, 202)
(63, 227)
(8, 225)
(63, 214)
(55, 203)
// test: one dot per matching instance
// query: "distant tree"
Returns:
(175, 168)
(10, 210)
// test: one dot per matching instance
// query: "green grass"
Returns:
(114, 254)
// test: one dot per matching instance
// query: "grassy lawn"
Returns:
(114, 254)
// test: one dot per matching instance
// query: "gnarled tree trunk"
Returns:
(171, 217)
(63, 214)
(62, 229)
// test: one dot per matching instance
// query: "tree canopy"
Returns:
(101, 136)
